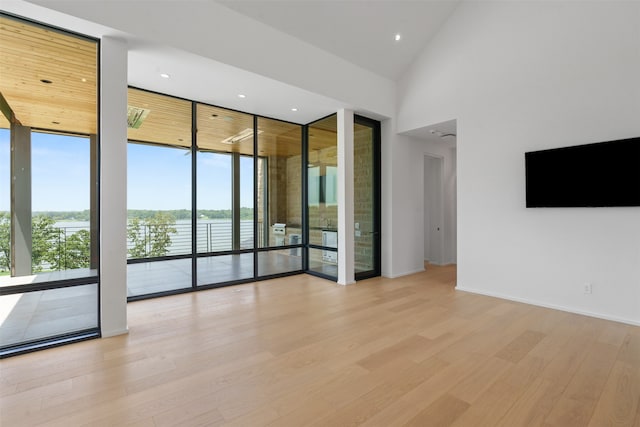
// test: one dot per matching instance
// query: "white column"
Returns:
(346, 228)
(113, 187)
(21, 241)
(388, 139)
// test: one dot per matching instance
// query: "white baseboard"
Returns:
(396, 275)
(547, 305)
(107, 334)
(442, 264)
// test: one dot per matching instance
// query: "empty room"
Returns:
(314, 213)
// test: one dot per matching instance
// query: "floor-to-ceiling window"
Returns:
(214, 196)
(49, 204)
(322, 197)
(159, 242)
(225, 195)
(279, 197)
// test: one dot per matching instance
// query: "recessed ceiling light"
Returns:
(83, 80)
(242, 95)
(397, 37)
(294, 109)
(165, 75)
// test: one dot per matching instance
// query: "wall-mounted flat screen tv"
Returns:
(592, 175)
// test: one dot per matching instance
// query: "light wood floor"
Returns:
(303, 351)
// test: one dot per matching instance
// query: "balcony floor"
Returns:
(40, 314)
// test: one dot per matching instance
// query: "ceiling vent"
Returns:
(240, 136)
(135, 116)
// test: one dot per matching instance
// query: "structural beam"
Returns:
(113, 187)
(235, 211)
(20, 200)
(93, 202)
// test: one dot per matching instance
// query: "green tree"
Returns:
(45, 240)
(151, 237)
(137, 239)
(160, 226)
(71, 251)
(5, 244)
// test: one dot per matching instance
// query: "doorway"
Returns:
(433, 209)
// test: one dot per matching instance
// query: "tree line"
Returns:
(145, 214)
(57, 248)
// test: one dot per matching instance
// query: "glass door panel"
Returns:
(279, 196)
(159, 195)
(366, 174)
(225, 195)
(322, 168)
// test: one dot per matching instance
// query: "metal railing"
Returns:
(211, 236)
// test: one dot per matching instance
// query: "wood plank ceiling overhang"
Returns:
(48, 78)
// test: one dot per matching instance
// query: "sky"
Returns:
(159, 178)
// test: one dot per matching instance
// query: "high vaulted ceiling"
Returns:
(360, 31)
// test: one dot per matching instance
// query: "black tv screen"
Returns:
(591, 175)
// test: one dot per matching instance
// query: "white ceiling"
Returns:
(202, 79)
(441, 133)
(359, 31)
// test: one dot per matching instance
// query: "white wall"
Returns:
(521, 76)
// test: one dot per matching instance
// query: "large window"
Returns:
(213, 199)
(159, 242)
(322, 180)
(279, 197)
(49, 260)
(225, 195)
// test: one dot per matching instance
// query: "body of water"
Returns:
(212, 234)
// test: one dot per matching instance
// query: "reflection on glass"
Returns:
(322, 178)
(158, 276)
(224, 268)
(35, 315)
(323, 261)
(279, 261)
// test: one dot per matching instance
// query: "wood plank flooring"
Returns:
(302, 351)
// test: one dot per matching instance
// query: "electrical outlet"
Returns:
(587, 288)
